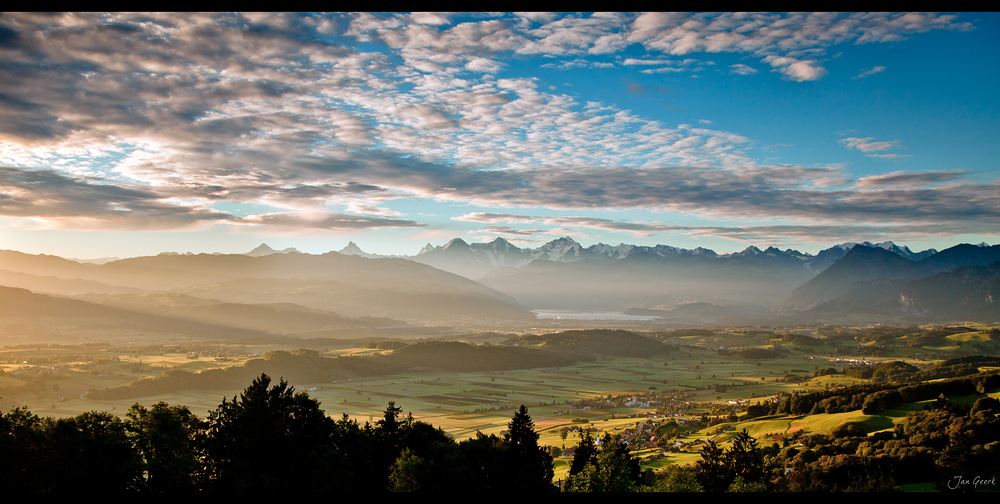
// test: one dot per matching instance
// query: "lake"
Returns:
(581, 315)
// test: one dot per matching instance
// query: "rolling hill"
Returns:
(350, 286)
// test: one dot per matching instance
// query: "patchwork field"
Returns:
(54, 380)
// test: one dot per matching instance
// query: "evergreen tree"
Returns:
(586, 453)
(713, 471)
(530, 466)
(745, 458)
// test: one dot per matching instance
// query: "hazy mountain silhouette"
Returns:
(263, 249)
(56, 285)
(351, 286)
(859, 282)
(965, 293)
(26, 313)
(272, 317)
(860, 263)
(477, 260)
(643, 279)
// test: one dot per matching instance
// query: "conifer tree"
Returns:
(530, 465)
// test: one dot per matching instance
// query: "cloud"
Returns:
(153, 118)
(510, 231)
(331, 222)
(773, 234)
(494, 217)
(600, 33)
(94, 203)
(484, 65)
(796, 70)
(867, 145)
(367, 208)
(866, 73)
(760, 33)
(72, 201)
(635, 61)
(909, 179)
(801, 234)
(429, 18)
(578, 63)
(741, 69)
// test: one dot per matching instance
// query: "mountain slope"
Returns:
(380, 287)
(646, 280)
(965, 293)
(860, 263)
(27, 314)
(272, 317)
(834, 289)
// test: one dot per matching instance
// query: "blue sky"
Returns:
(133, 134)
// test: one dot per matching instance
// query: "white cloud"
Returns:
(273, 119)
(867, 144)
(793, 69)
(742, 69)
(634, 61)
(429, 18)
(363, 207)
(484, 65)
(866, 73)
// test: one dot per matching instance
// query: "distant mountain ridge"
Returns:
(476, 260)
(866, 277)
(964, 293)
(563, 274)
(263, 250)
(860, 263)
(345, 285)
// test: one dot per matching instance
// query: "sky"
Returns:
(134, 134)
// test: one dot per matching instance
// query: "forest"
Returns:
(271, 438)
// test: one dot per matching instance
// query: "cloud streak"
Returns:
(867, 144)
(866, 73)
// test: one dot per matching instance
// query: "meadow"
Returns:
(53, 380)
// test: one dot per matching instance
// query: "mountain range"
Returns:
(958, 283)
(343, 285)
(564, 275)
(287, 291)
(476, 260)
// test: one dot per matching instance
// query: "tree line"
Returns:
(271, 438)
(267, 439)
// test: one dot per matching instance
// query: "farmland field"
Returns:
(53, 380)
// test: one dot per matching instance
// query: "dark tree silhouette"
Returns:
(713, 473)
(530, 465)
(271, 439)
(170, 441)
(745, 458)
(586, 453)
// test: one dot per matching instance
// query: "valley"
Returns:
(355, 333)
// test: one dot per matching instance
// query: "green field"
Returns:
(464, 403)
